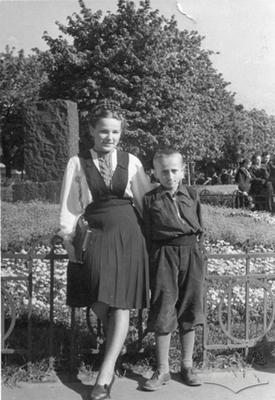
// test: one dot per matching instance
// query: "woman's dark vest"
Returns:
(95, 181)
(77, 283)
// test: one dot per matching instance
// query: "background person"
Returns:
(271, 171)
(243, 179)
(260, 185)
(266, 158)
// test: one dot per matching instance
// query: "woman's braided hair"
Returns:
(105, 108)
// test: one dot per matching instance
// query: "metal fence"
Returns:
(224, 307)
(238, 321)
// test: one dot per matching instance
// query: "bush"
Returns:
(6, 193)
(43, 191)
(24, 223)
(217, 199)
(217, 189)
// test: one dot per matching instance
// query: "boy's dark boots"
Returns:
(156, 381)
(189, 377)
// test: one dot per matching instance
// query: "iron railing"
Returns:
(225, 324)
(249, 280)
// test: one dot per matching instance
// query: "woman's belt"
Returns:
(106, 202)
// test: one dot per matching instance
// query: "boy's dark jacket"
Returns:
(161, 220)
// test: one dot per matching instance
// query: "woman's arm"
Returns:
(139, 182)
(71, 206)
(147, 223)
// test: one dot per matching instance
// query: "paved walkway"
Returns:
(251, 385)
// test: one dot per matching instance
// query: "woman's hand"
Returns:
(70, 250)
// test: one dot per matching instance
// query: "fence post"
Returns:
(140, 329)
(265, 306)
(29, 265)
(51, 255)
(2, 321)
(229, 314)
(204, 332)
(72, 340)
(247, 273)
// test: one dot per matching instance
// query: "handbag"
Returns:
(81, 238)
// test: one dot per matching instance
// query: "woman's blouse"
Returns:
(75, 194)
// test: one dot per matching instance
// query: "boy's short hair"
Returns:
(166, 151)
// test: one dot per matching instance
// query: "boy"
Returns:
(173, 227)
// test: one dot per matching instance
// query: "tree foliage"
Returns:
(21, 78)
(162, 77)
(263, 130)
(251, 131)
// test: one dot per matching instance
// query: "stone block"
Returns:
(51, 136)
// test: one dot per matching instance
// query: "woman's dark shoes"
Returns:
(101, 392)
(189, 377)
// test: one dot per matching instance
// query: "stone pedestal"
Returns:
(51, 137)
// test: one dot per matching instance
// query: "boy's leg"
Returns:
(190, 307)
(187, 340)
(161, 376)
(162, 352)
(163, 313)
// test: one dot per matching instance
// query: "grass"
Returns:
(238, 226)
(25, 223)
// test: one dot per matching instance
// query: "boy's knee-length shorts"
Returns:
(176, 282)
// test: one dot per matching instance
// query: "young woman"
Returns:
(107, 187)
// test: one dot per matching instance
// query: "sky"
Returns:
(241, 31)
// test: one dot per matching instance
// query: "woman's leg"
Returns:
(118, 325)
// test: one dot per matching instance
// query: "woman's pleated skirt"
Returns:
(115, 269)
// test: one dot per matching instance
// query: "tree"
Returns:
(251, 131)
(21, 78)
(163, 78)
(239, 139)
(263, 127)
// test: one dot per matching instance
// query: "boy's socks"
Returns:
(162, 352)
(187, 339)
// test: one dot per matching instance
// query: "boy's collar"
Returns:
(180, 190)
